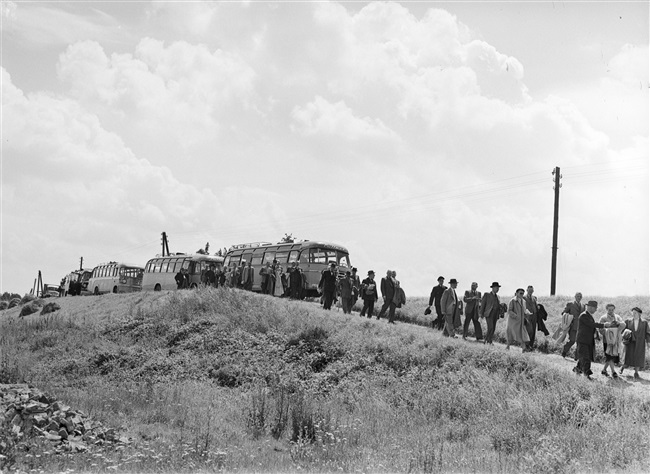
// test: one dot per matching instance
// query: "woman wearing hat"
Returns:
(635, 352)
(516, 327)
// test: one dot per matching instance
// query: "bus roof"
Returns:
(191, 256)
(303, 245)
(120, 264)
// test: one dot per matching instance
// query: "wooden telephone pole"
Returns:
(556, 217)
(165, 245)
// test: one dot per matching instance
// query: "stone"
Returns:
(63, 433)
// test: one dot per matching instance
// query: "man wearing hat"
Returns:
(575, 309)
(369, 294)
(490, 308)
(450, 308)
(356, 286)
(388, 294)
(327, 285)
(345, 291)
(436, 296)
(585, 339)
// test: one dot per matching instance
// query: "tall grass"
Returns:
(227, 380)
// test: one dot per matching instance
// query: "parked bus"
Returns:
(114, 277)
(313, 257)
(159, 272)
(76, 282)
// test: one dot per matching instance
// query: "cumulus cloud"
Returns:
(336, 120)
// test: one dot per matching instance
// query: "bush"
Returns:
(30, 308)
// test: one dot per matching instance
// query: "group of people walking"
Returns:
(350, 289)
(526, 316)
(624, 340)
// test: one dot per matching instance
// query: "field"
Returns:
(218, 379)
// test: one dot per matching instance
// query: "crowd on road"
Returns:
(624, 340)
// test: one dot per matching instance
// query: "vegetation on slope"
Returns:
(224, 379)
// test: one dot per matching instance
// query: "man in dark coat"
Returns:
(576, 308)
(585, 339)
(490, 310)
(436, 296)
(327, 286)
(472, 301)
(210, 276)
(369, 294)
(388, 294)
(345, 290)
(295, 281)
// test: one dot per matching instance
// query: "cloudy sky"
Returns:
(420, 135)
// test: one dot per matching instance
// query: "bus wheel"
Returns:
(96, 292)
(157, 287)
(194, 286)
(115, 289)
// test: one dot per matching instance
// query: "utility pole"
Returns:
(165, 245)
(556, 217)
(81, 264)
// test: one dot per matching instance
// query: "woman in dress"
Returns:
(516, 327)
(635, 351)
(278, 289)
(611, 339)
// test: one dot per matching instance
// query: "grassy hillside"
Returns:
(227, 380)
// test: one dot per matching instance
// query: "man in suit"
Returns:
(248, 276)
(490, 310)
(449, 306)
(345, 290)
(585, 339)
(530, 301)
(472, 301)
(575, 309)
(434, 299)
(388, 294)
(327, 285)
(369, 294)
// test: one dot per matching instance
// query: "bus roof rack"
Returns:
(249, 245)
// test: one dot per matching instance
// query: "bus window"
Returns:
(186, 264)
(293, 256)
(163, 267)
(248, 256)
(114, 271)
(281, 257)
(256, 260)
(173, 267)
(234, 260)
(343, 259)
(319, 255)
(226, 262)
(269, 257)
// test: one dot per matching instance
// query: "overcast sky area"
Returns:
(419, 135)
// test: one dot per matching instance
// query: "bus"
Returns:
(159, 272)
(312, 256)
(76, 282)
(114, 277)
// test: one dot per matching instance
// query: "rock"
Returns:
(63, 433)
(17, 420)
(4, 305)
(14, 302)
(50, 308)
